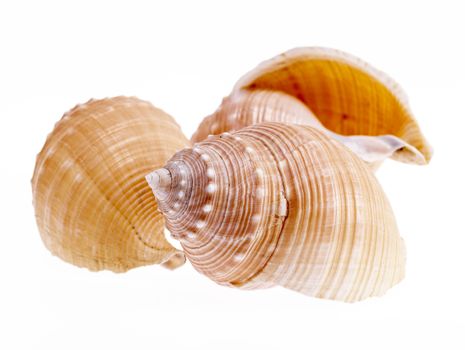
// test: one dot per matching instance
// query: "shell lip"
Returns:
(330, 54)
(326, 53)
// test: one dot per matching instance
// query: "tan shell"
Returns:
(244, 108)
(347, 95)
(276, 204)
(92, 205)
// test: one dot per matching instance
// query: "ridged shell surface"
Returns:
(347, 95)
(93, 207)
(245, 108)
(276, 204)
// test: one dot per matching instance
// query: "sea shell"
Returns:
(244, 108)
(92, 204)
(280, 204)
(347, 95)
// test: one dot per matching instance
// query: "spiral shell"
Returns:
(276, 204)
(92, 205)
(348, 96)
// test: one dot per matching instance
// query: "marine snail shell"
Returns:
(244, 108)
(280, 204)
(92, 204)
(348, 96)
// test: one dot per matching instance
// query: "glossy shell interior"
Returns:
(345, 95)
(349, 96)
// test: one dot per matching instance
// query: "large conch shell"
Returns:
(344, 94)
(280, 204)
(92, 204)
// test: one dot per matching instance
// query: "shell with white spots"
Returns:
(329, 89)
(300, 211)
(92, 205)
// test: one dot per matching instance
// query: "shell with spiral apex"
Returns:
(281, 205)
(92, 205)
(346, 95)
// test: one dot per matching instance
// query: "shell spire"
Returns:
(160, 182)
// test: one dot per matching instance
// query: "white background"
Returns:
(184, 57)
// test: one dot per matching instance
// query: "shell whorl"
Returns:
(203, 185)
(277, 204)
(245, 108)
(92, 205)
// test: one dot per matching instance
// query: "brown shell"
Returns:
(92, 205)
(348, 96)
(276, 204)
